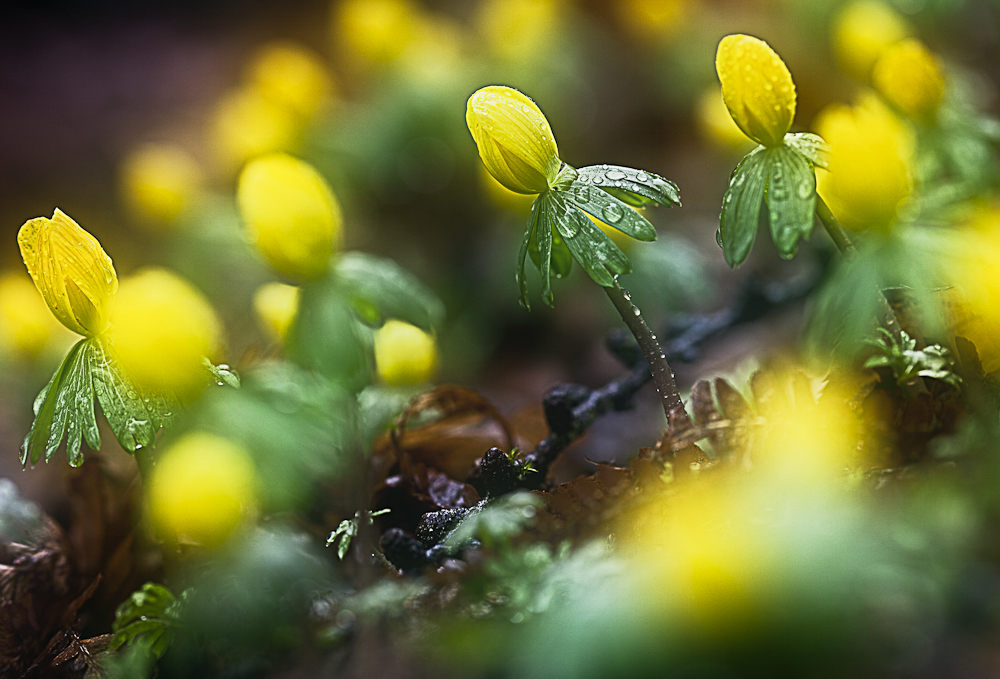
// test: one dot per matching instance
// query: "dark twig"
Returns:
(571, 409)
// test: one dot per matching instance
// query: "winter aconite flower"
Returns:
(163, 330)
(71, 270)
(514, 139)
(404, 354)
(275, 305)
(160, 181)
(291, 214)
(201, 489)
(26, 326)
(862, 31)
(910, 78)
(757, 88)
(288, 73)
(868, 177)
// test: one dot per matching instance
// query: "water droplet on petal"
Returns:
(615, 175)
(641, 177)
(612, 213)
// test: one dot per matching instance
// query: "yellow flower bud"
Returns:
(655, 19)
(375, 31)
(404, 354)
(162, 331)
(290, 74)
(159, 181)
(26, 325)
(247, 122)
(757, 88)
(503, 197)
(716, 124)
(910, 78)
(201, 489)
(276, 305)
(973, 304)
(868, 176)
(290, 213)
(514, 139)
(71, 270)
(861, 32)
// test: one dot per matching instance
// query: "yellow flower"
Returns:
(503, 197)
(404, 354)
(162, 331)
(910, 78)
(514, 139)
(290, 74)
(973, 305)
(757, 88)
(201, 489)
(290, 213)
(26, 325)
(247, 122)
(861, 32)
(519, 31)
(71, 270)
(276, 305)
(653, 19)
(716, 124)
(868, 177)
(159, 181)
(375, 31)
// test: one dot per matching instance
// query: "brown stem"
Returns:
(663, 376)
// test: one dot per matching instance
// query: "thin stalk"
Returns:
(887, 315)
(663, 376)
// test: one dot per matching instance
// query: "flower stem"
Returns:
(663, 376)
(887, 315)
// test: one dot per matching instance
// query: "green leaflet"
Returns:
(782, 179)
(148, 617)
(522, 281)
(382, 289)
(134, 418)
(634, 187)
(66, 407)
(51, 413)
(810, 146)
(591, 247)
(741, 207)
(610, 210)
(790, 198)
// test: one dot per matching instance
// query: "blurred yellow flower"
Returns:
(973, 306)
(514, 139)
(159, 181)
(201, 489)
(375, 31)
(291, 214)
(715, 123)
(910, 78)
(290, 74)
(861, 31)
(248, 122)
(71, 270)
(26, 326)
(868, 177)
(652, 19)
(519, 31)
(276, 305)
(435, 58)
(757, 88)
(163, 329)
(404, 354)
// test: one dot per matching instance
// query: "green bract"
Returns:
(560, 228)
(783, 179)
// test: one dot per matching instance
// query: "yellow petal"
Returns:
(163, 329)
(757, 88)
(910, 78)
(26, 326)
(291, 213)
(514, 139)
(71, 270)
(404, 354)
